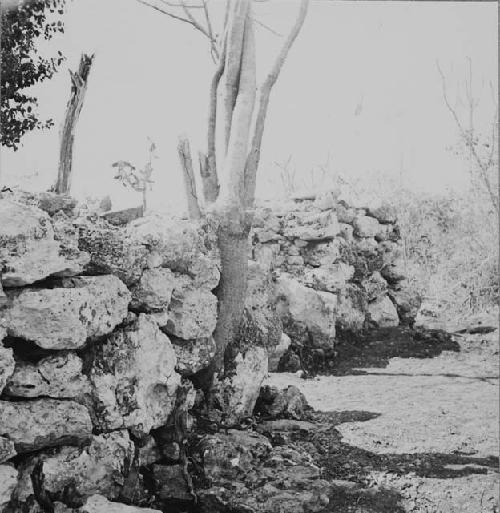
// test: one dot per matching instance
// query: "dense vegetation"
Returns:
(23, 65)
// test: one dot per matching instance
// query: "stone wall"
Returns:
(102, 327)
(338, 271)
(105, 322)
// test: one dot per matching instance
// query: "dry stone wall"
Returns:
(101, 327)
(105, 321)
(338, 270)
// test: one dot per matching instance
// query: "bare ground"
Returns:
(409, 424)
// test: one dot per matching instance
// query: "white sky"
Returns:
(360, 87)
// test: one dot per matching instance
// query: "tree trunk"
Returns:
(233, 244)
(73, 109)
(233, 247)
(186, 161)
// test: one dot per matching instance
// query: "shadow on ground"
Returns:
(377, 347)
(350, 468)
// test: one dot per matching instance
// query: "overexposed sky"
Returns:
(360, 90)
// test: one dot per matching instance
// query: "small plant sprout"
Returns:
(137, 179)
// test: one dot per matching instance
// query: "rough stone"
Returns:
(295, 260)
(329, 279)
(374, 286)
(122, 217)
(229, 455)
(305, 312)
(346, 232)
(64, 318)
(275, 354)
(28, 249)
(98, 468)
(7, 449)
(311, 226)
(407, 302)
(265, 255)
(393, 273)
(133, 379)
(192, 355)
(99, 504)
(8, 482)
(242, 388)
(322, 254)
(345, 214)
(149, 242)
(52, 203)
(383, 313)
(6, 364)
(365, 226)
(287, 403)
(58, 377)
(192, 314)
(246, 474)
(153, 291)
(33, 425)
(170, 483)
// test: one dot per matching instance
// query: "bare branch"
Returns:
(207, 18)
(163, 11)
(181, 5)
(189, 19)
(468, 138)
(254, 155)
(267, 27)
(194, 22)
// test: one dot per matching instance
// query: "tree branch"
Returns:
(211, 167)
(232, 184)
(182, 4)
(267, 27)
(254, 154)
(468, 139)
(236, 24)
(189, 20)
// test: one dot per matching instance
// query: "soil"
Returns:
(409, 423)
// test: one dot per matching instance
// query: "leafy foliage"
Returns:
(22, 66)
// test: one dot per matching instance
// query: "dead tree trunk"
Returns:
(73, 109)
(186, 161)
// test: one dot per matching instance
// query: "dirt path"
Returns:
(412, 434)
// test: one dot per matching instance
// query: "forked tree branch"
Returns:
(189, 19)
(253, 158)
(232, 182)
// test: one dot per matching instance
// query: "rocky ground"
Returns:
(407, 424)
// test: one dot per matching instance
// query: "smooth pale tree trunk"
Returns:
(73, 109)
(229, 188)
